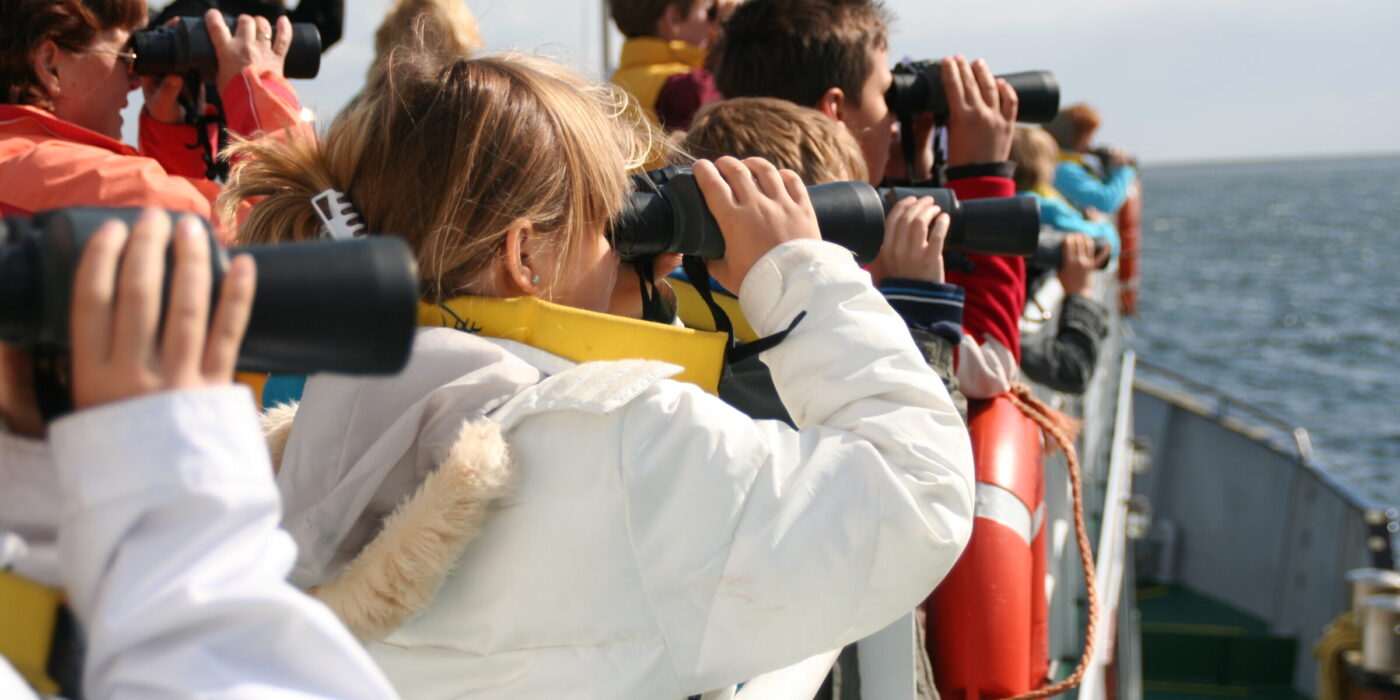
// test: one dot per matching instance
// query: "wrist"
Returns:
(1000, 168)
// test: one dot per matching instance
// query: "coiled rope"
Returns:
(1059, 426)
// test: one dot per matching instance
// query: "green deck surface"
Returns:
(1194, 646)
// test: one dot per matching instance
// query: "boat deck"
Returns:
(1195, 646)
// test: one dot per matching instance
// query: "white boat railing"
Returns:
(1112, 551)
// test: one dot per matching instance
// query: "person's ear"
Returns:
(670, 20)
(832, 103)
(44, 62)
(516, 274)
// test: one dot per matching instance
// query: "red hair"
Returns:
(71, 24)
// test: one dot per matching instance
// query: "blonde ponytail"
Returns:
(448, 154)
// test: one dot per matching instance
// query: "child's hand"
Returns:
(252, 44)
(758, 208)
(116, 314)
(915, 230)
(981, 112)
(1076, 271)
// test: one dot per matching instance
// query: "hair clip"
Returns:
(339, 220)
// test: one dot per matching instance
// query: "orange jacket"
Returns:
(46, 163)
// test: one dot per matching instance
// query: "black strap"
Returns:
(215, 168)
(940, 155)
(67, 654)
(654, 306)
(907, 146)
(699, 275)
(51, 391)
(743, 351)
(734, 351)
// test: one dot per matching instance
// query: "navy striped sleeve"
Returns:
(929, 306)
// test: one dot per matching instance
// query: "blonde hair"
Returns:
(447, 155)
(446, 27)
(798, 138)
(1035, 154)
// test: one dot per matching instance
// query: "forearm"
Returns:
(176, 147)
(929, 306)
(28, 509)
(1085, 190)
(174, 561)
(1066, 361)
(873, 494)
(260, 103)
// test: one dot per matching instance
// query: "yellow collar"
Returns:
(650, 50)
(584, 336)
(1048, 192)
(30, 612)
(1072, 157)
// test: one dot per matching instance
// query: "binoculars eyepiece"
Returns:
(184, 47)
(325, 306)
(667, 214)
(918, 89)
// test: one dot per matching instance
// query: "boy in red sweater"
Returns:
(832, 56)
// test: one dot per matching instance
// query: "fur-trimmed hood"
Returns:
(397, 575)
(383, 496)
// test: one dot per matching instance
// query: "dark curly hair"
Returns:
(72, 24)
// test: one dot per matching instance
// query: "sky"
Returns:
(1186, 80)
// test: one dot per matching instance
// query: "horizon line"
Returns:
(1262, 160)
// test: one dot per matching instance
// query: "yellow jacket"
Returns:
(648, 61)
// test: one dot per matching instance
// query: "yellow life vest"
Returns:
(646, 64)
(694, 313)
(1048, 192)
(1072, 157)
(29, 615)
(584, 336)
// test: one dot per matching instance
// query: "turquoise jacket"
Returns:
(1058, 214)
(1084, 189)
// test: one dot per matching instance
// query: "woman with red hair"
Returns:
(1073, 128)
(66, 67)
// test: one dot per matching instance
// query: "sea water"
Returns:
(1279, 284)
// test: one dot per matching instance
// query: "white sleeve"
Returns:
(12, 686)
(791, 543)
(174, 561)
(28, 509)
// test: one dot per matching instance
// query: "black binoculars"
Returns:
(1050, 252)
(918, 89)
(325, 306)
(667, 214)
(184, 47)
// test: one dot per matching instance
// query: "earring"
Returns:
(535, 280)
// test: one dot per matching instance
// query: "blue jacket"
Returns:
(1084, 189)
(1056, 213)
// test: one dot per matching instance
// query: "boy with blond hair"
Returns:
(799, 139)
(909, 269)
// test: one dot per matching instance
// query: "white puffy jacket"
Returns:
(639, 538)
(160, 515)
